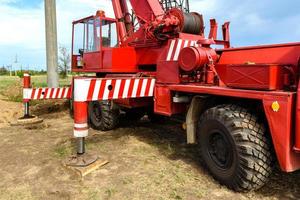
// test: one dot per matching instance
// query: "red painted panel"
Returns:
(280, 124)
(272, 54)
(168, 72)
(114, 60)
(162, 100)
(74, 61)
(266, 77)
(297, 121)
(148, 56)
(91, 61)
(124, 59)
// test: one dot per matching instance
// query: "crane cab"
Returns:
(95, 47)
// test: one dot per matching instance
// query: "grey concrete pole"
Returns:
(51, 43)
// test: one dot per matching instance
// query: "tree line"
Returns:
(64, 63)
(4, 71)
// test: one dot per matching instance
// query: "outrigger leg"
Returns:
(83, 162)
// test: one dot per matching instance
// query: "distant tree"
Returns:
(4, 71)
(64, 61)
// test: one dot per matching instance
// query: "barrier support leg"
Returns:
(26, 110)
(27, 119)
(26, 85)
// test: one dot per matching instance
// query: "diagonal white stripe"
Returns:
(171, 50)
(48, 93)
(144, 86)
(135, 88)
(126, 88)
(97, 90)
(191, 44)
(186, 43)
(60, 93)
(106, 90)
(151, 90)
(117, 89)
(177, 50)
(66, 93)
(43, 93)
(36, 94)
(54, 93)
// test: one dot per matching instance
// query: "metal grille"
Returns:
(180, 4)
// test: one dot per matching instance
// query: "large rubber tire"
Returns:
(234, 147)
(102, 117)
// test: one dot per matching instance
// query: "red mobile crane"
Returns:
(240, 103)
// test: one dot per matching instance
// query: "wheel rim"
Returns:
(220, 150)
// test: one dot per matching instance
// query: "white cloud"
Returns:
(7, 1)
(22, 29)
(70, 10)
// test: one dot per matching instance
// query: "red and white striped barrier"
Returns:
(46, 93)
(176, 46)
(95, 89)
(89, 89)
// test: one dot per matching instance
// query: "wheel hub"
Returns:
(220, 151)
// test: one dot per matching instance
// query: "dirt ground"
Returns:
(147, 161)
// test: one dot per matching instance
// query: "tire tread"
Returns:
(253, 147)
(109, 118)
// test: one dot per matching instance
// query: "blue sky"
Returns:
(25, 4)
(252, 22)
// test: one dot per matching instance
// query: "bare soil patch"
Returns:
(147, 161)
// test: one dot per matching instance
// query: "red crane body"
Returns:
(169, 45)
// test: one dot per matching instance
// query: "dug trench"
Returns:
(147, 161)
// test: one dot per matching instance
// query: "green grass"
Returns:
(7, 81)
(11, 87)
(110, 192)
(62, 151)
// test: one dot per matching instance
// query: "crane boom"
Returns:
(158, 20)
(144, 10)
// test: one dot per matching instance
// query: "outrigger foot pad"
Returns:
(81, 160)
(27, 120)
(84, 164)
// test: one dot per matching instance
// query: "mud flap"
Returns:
(196, 108)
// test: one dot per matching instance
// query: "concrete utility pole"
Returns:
(51, 43)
